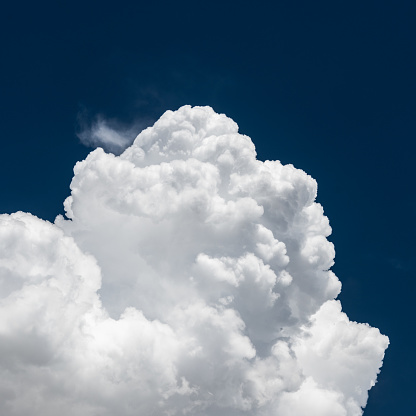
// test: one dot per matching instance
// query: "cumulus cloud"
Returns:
(188, 278)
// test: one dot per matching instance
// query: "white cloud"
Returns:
(189, 279)
(109, 134)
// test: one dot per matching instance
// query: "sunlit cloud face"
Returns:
(189, 278)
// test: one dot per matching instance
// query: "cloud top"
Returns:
(189, 278)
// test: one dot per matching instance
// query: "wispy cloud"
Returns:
(111, 134)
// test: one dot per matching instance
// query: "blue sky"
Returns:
(326, 86)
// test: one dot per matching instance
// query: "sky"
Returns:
(326, 87)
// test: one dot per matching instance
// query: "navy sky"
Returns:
(328, 86)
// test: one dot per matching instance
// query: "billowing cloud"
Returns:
(189, 278)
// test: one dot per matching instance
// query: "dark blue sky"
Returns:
(328, 86)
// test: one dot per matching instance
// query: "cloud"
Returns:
(188, 278)
(110, 134)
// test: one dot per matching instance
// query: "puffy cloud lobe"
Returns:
(189, 278)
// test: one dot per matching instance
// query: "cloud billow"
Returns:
(189, 278)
